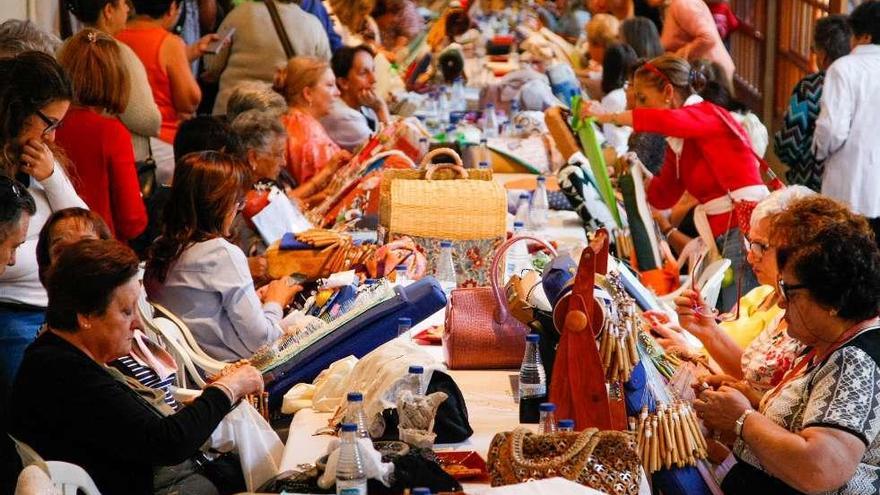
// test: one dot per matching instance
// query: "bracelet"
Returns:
(226, 391)
(738, 427)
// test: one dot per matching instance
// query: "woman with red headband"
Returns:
(708, 155)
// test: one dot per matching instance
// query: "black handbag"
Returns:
(155, 196)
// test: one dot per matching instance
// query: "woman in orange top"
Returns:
(310, 88)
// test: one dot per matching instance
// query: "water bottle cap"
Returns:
(490, 105)
(547, 407)
(370, 281)
(523, 195)
(541, 178)
(355, 397)
(484, 164)
(416, 370)
(445, 244)
(484, 141)
(423, 140)
(518, 225)
(349, 427)
(533, 337)
(404, 321)
(450, 128)
(566, 423)
(421, 491)
(400, 268)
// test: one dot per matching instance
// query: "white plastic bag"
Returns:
(257, 444)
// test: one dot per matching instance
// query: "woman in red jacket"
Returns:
(708, 155)
(97, 143)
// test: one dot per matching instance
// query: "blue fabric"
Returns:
(732, 247)
(17, 330)
(358, 337)
(557, 277)
(680, 481)
(316, 8)
(289, 243)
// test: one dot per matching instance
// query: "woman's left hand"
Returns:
(39, 162)
(720, 409)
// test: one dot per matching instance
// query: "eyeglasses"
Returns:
(785, 290)
(757, 248)
(239, 205)
(51, 124)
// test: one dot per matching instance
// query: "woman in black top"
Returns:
(69, 406)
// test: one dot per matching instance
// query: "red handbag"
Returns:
(480, 332)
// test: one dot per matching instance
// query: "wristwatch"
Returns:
(738, 428)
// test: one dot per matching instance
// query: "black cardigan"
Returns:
(69, 408)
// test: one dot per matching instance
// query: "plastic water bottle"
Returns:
(424, 147)
(514, 109)
(517, 258)
(404, 324)
(540, 207)
(350, 472)
(532, 382)
(522, 210)
(413, 380)
(354, 414)
(459, 102)
(490, 122)
(446, 275)
(400, 277)
(444, 106)
(548, 418)
(484, 151)
(566, 425)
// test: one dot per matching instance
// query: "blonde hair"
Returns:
(603, 29)
(301, 73)
(93, 62)
(352, 13)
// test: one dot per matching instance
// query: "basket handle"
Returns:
(503, 313)
(429, 172)
(426, 161)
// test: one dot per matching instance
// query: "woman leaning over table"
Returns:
(34, 95)
(200, 276)
(69, 406)
(708, 155)
(817, 430)
(754, 351)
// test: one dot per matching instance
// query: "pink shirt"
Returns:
(689, 31)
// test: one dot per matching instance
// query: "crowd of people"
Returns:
(274, 97)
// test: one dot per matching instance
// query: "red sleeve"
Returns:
(732, 20)
(665, 189)
(126, 203)
(692, 121)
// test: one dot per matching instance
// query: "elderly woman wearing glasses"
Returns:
(752, 351)
(817, 430)
(36, 95)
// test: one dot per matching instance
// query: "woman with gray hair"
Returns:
(754, 351)
(18, 36)
(254, 95)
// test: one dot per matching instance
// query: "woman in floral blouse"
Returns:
(818, 429)
(754, 351)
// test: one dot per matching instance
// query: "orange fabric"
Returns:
(309, 148)
(146, 43)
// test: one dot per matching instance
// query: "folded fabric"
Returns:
(289, 243)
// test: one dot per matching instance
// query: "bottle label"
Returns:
(532, 389)
(351, 487)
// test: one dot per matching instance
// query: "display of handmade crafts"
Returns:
(416, 415)
(617, 345)
(668, 437)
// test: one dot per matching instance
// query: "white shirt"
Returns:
(349, 127)
(617, 136)
(21, 282)
(211, 290)
(847, 132)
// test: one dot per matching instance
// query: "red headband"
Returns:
(657, 72)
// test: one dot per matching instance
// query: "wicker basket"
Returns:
(458, 209)
(443, 173)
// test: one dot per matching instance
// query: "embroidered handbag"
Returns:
(481, 333)
(602, 460)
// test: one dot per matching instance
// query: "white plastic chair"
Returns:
(191, 342)
(71, 479)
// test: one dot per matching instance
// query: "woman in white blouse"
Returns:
(200, 276)
(35, 99)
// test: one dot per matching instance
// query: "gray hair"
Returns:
(257, 130)
(254, 95)
(778, 201)
(18, 36)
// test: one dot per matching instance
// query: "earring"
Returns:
(833, 312)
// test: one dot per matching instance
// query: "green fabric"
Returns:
(590, 144)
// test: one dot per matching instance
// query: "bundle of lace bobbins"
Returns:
(617, 345)
(668, 437)
(259, 401)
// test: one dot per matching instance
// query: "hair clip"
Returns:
(92, 36)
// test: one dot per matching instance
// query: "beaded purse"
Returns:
(603, 460)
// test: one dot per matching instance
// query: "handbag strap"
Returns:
(587, 439)
(279, 29)
(763, 167)
(426, 161)
(502, 313)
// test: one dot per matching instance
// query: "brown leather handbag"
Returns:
(603, 460)
(480, 332)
